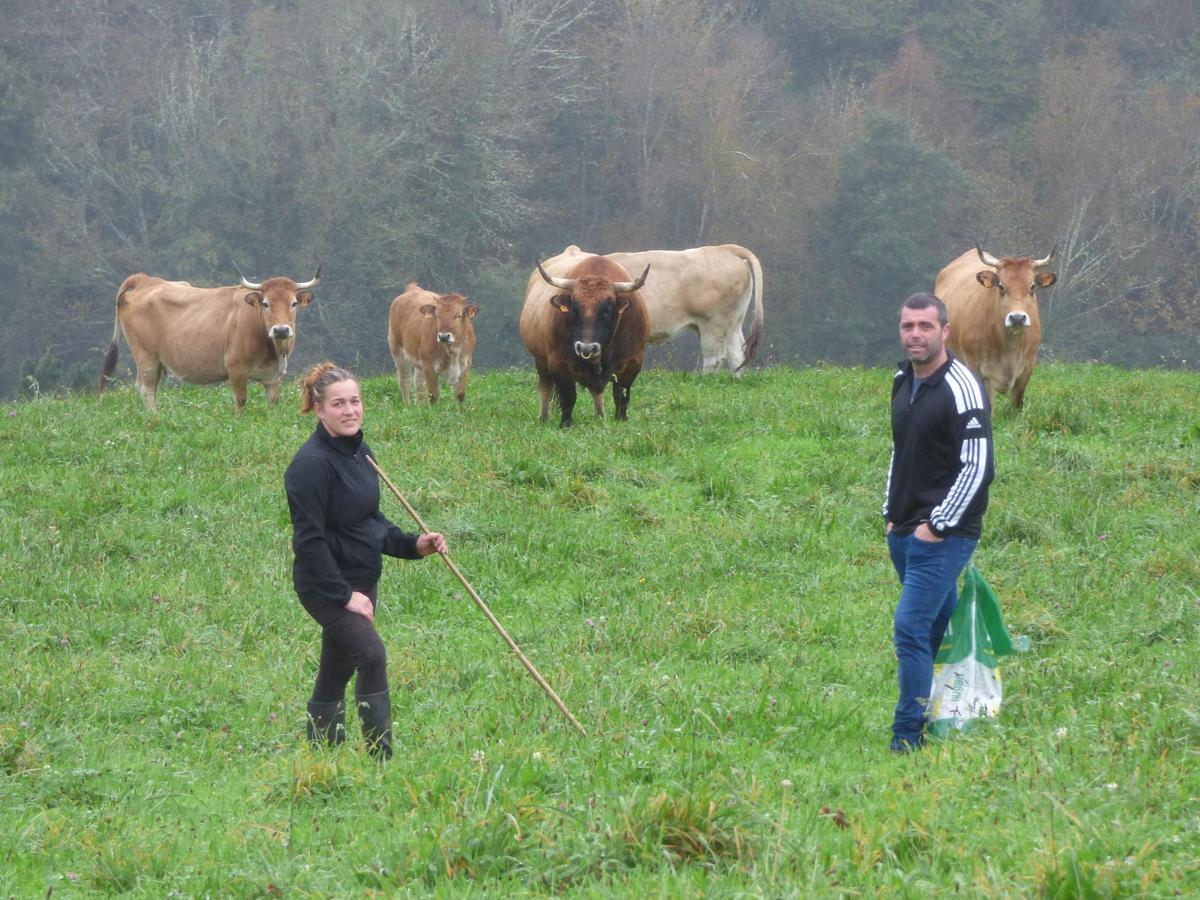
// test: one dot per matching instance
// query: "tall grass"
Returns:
(706, 587)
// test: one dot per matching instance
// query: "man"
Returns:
(937, 492)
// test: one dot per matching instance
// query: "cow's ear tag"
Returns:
(987, 279)
(1045, 279)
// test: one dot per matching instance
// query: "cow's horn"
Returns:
(986, 258)
(564, 284)
(249, 285)
(310, 284)
(624, 287)
(1038, 263)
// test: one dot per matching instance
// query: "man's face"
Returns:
(922, 336)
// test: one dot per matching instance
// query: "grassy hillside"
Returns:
(707, 588)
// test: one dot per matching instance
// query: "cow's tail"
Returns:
(756, 291)
(110, 357)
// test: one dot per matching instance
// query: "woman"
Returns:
(339, 537)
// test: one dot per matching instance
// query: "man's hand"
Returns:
(924, 534)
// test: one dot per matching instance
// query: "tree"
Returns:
(990, 51)
(893, 223)
(852, 38)
(1120, 167)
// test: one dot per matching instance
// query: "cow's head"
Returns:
(1017, 279)
(593, 305)
(452, 316)
(277, 300)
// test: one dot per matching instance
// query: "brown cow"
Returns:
(433, 333)
(994, 323)
(207, 335)
(585, 323)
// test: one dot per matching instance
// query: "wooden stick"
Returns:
(483, 607)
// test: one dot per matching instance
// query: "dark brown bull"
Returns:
(431, 333)
(586, 325)
(241, 333)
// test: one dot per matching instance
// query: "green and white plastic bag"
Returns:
(966, 681)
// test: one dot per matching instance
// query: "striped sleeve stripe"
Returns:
(966, 390)
(967, 395)
(887, 493)
(891, 462)
(974, 457)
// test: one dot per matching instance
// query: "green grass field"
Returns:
(705, 585)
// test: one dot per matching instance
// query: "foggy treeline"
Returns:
(855, 146)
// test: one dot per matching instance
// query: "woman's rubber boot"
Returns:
(326, 722)
(375, 711)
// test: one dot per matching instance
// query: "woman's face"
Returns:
(341, 411)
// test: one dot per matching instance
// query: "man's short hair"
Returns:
(924, 301)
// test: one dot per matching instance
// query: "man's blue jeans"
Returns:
(929, 573)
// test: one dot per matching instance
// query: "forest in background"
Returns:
(856, 147)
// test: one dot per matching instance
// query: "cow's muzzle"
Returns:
(587, 350)
(280, 332)
(445, 337)
(1016, 320)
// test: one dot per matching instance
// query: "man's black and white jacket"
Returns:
(942, 460)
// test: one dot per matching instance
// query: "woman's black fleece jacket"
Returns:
(339, 535)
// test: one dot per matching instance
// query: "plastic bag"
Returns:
(966, 682)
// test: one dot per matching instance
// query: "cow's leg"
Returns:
(566, 400)
(1017, 394)
(431, 382)
(621, 400)
(420, 387)
(621, 388)
(459, 377)
(415, 382)
(149, 374)
(598, 403)
(238, 382)
(991, 379)
(402, 378)
(545, 391)
(734, 349)
(272, 389)
(712, 349)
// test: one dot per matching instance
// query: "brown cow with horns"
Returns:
(994, 324)
(587, 324)
(707, 290)
(241, 333)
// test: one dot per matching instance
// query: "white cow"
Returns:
(706, 289)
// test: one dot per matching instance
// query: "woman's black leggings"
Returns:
(349, 644)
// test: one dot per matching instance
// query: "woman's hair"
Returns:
(317, 379)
